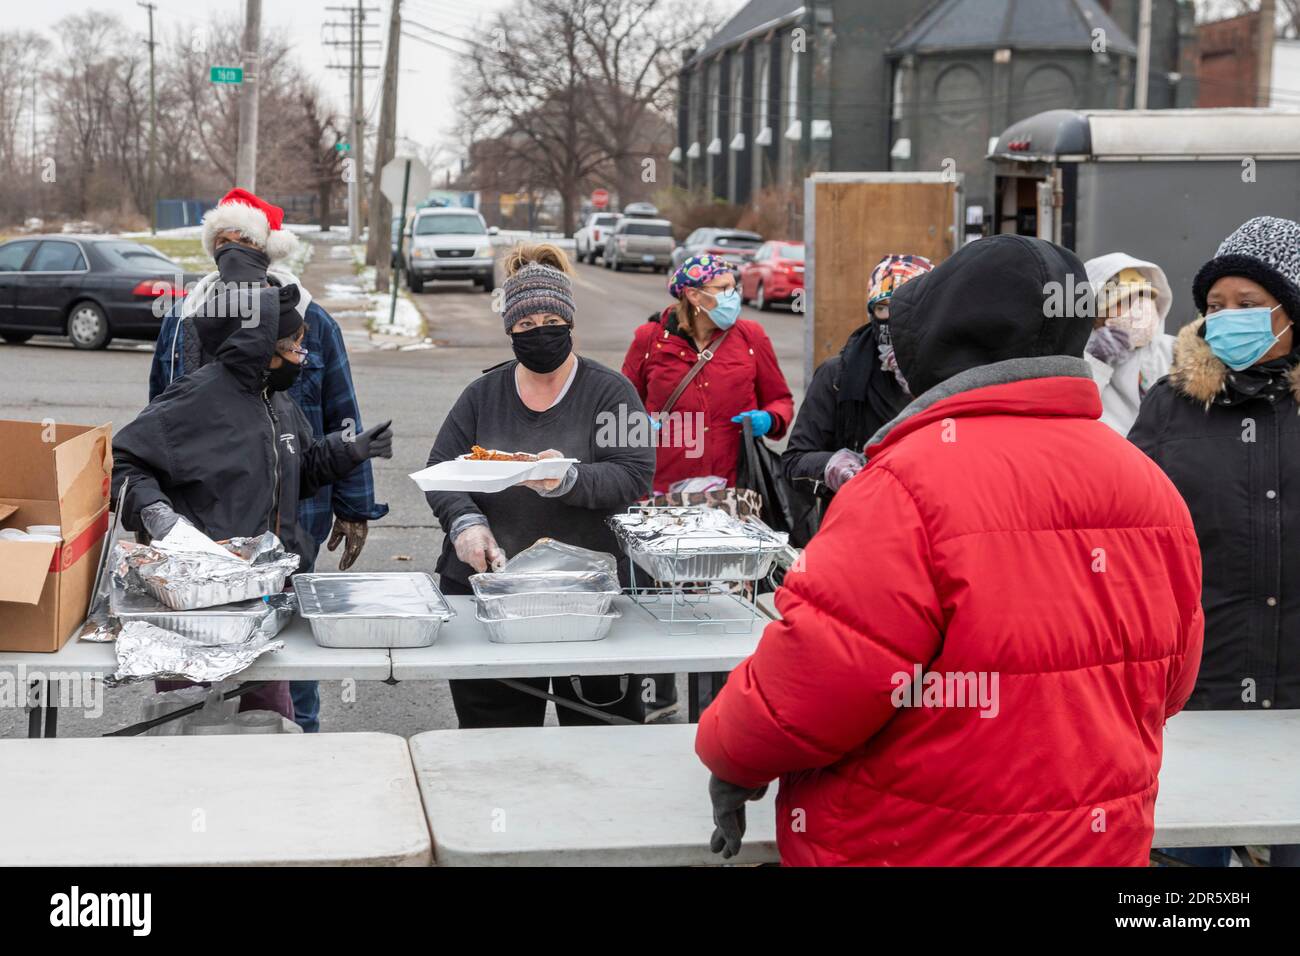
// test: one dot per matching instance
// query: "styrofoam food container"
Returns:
(51, 529)
(488, 477)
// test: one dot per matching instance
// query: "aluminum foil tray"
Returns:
(549, 628)
(507, 595)
(356, 609)
(681, 545)
(186, 577)
(228, 624)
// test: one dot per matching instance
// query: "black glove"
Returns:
(158, 519)
(374, 442)
(729, 801)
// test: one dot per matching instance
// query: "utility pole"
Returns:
(151, 186)
(1144, 56)
(246, 158)
(356, 67)
(377, 249)
(1264, 57)
(358, 126)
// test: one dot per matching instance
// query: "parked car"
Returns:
(450, 243)
(88, 288)
(734, 245)
(775, 274)
(640, 242)
(589, 241)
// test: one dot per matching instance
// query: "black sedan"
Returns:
(88, 288)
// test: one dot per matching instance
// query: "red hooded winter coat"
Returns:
(1002, 531)
(742, 376)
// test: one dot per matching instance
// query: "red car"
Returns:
(775, 274)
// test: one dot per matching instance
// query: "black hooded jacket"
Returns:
(849, 398)
(1042, 307)
(227, 453)
(1230, 443)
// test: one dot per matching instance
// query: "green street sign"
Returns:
(227, 74)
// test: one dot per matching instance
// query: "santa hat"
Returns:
(257, 220)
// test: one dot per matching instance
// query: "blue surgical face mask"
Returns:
(1240, 337)
(726, 310)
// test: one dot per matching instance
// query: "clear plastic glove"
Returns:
(1109, 344)
(843, 465)
(374, 442)
(478, 548)
(729, 801)
(158, 518)
(548, 484)
(762, 421)
(354, 534)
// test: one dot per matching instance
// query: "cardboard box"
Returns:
(51, 474)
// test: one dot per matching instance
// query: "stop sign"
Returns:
(600, 198)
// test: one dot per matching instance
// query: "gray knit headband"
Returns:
(538, 288)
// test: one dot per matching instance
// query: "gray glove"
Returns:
(374, 442)
(842, 466)
(158, 519)
(729, 801)
(1108, 344)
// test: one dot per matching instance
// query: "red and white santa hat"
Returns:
(257, 220)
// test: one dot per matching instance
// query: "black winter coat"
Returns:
(1235, 458)
(849, 399)
(229, 455)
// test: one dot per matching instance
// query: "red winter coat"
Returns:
(1003, 530)
(743, 375)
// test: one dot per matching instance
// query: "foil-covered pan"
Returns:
(226, 624)
(529, 594)
(146, 652)
(548, 628)
(356, 609)
(682, 545)
(186, 579)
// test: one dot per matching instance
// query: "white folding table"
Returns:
(636, 644)
(300, 659)
(639, 795)
(278, 799)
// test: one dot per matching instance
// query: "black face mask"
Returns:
(239, 263)
(543, 349)
(282, 378)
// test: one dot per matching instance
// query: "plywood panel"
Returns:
(856, 224)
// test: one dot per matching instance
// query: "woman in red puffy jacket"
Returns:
(739, 378)
(979, 651)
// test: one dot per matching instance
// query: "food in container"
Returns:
(488, 476)
(478, 453)
(535, 607)
(188, 577)
(682, 545)
(225, 624)
(365, 609)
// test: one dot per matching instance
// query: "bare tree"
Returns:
(634, 47)
(320, 131)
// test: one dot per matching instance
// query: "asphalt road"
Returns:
(46, 378)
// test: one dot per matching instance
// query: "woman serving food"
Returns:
(552, 403)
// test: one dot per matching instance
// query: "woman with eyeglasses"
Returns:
(702, 370)
(552, 402)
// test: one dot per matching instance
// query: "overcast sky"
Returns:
(427, 88)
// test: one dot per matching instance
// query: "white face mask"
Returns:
(1139, 319)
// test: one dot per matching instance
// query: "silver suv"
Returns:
(637, 243)
(449, 244)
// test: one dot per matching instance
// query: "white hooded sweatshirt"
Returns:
(1122, 385)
